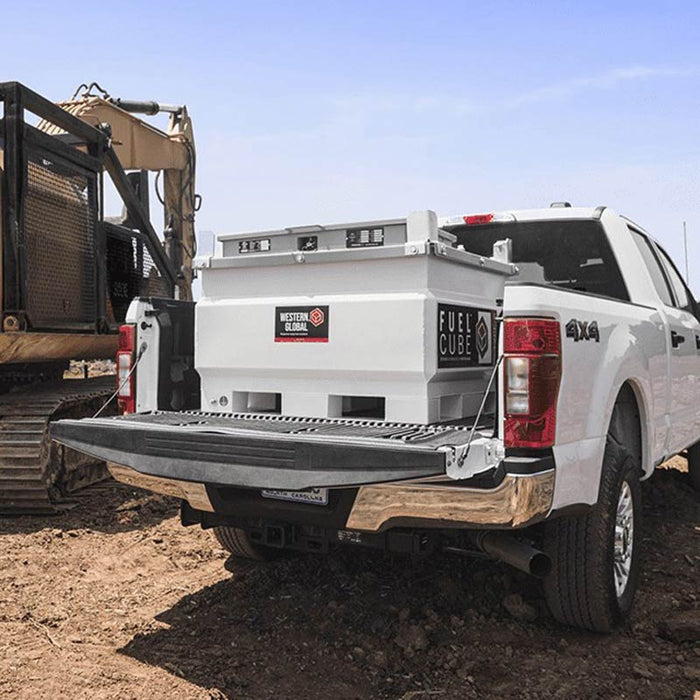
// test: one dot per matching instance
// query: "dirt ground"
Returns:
(116, 600)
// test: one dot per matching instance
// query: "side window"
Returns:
(652, 264)
(679, 288)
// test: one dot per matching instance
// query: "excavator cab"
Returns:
(68, 272)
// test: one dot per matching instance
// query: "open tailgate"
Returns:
(280, 452)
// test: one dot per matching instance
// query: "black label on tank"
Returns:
(301, 324)
(465, 336)
(254, 245)
(364, 238)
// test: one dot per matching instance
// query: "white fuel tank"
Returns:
(381, 319)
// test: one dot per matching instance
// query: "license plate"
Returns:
(317, 497)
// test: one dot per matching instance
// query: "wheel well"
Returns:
(626, 425)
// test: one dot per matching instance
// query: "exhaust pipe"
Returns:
(509, 550)
(514, 552)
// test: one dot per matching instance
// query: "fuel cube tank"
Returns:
(381, 319)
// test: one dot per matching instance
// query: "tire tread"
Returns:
(577, 590)
(237, 542)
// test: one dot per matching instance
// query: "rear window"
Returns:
(569, 254)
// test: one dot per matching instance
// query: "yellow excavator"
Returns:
(68, 272)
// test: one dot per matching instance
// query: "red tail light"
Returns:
(126, 379)
(532, 360)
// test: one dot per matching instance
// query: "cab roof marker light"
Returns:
(493, 218)
(477, 219)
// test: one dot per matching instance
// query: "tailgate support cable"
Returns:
(462, 458)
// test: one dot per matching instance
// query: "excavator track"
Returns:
(36, 475)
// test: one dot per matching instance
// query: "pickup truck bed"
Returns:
(279, 452)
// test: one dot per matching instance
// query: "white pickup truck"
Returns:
(493, 381)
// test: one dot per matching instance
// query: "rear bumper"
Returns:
(517, 501)
(195, 494)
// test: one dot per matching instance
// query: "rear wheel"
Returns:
(239, 544)
(694, 465)
(595, 557)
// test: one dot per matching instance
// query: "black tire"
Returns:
(237, 542)
(581, 588)
(694, 466)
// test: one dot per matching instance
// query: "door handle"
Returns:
(677, 339)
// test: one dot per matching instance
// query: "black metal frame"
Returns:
(83, 148)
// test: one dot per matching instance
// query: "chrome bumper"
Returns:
(517, 501)
(195, 494)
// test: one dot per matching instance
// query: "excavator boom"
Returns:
(141, 146)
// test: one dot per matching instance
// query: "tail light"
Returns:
(126, 378)
(532, 361)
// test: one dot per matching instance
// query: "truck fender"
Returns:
(579, 463)
(610, 381)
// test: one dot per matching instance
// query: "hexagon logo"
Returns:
(317, 317)
(482, 337)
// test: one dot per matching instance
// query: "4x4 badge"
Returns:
(582, 330)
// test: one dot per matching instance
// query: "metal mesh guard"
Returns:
(60, 253)
(131, 272)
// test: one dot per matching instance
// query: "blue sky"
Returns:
(310, 112)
